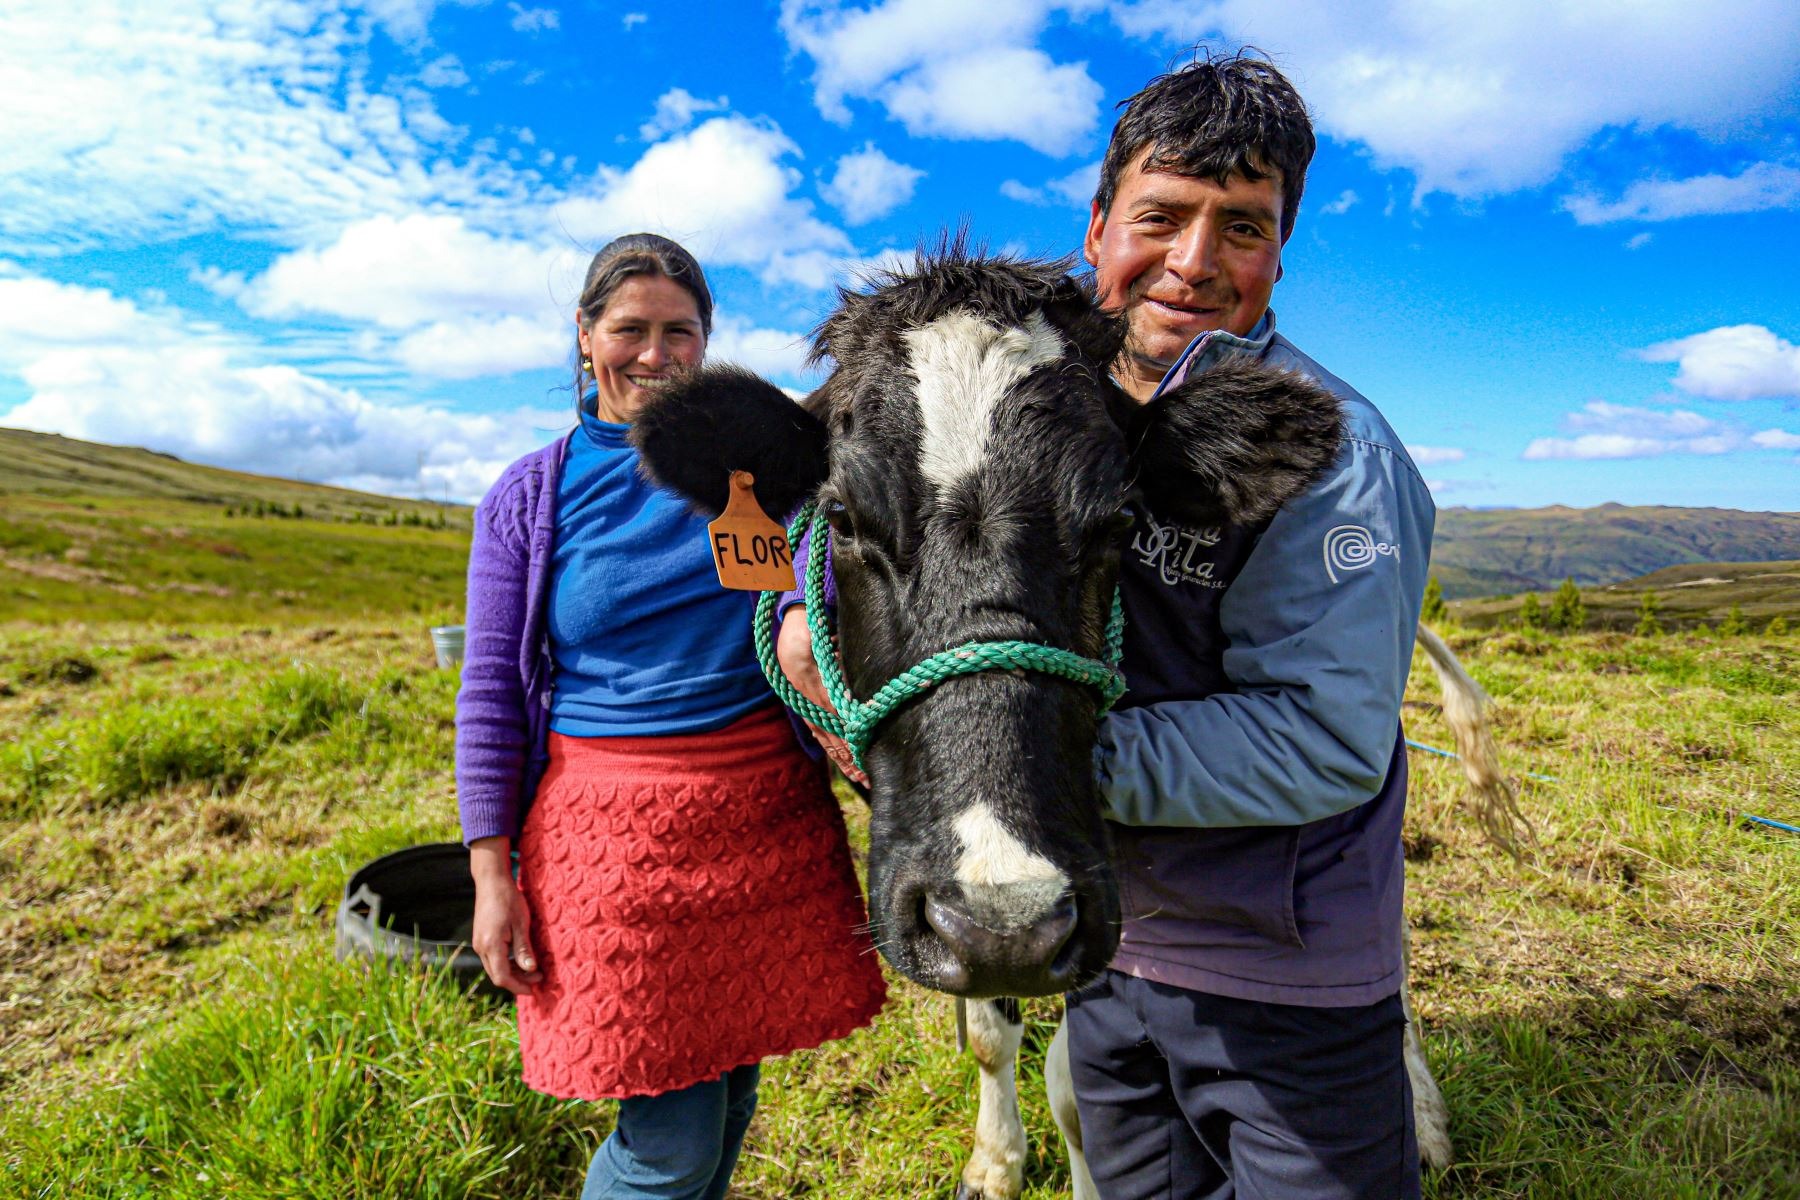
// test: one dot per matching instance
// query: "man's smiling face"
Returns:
(1182, 255)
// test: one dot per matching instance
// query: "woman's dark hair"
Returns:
(637, 254)
(1216, 117)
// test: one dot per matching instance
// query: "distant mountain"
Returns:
(1489, 552)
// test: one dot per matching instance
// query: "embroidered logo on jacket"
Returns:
(1351, 548)
(1176, 552)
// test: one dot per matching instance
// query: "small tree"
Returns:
(1648, 607)
(1567, 612)
(1433, 609)
(1531, 613)
(1778, 626)
(1734, 624)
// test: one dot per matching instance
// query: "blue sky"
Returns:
(1556, 243)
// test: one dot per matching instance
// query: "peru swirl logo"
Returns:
(1351, 548)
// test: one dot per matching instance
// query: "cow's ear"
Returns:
(1097, 333)
(1234, 443)
(695, 430)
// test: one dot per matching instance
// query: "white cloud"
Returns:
(1776, 439)
(1638, 241)
(270, 420)
(632, 20)
(1604, 431)
(475, 347)
(444, 71)
(1477, 99)
(38, 314)
(144, 122)
(533, 20)
(725, 191)
(676, 110)
(398, 273)
(997, 95)
(1733, 362)
(1759, 188)
(948, 68)
(1077, 188)
(1431, 456)
(775, 353)
(214, 397)
(1344, 203)
(868, 184)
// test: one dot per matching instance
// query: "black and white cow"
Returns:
(978, 469)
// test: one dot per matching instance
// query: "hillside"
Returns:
(1490, 552)
(91, 532)
(48, 464)
(1688, 595)
(95, 532)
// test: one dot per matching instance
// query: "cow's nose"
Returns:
(1024, 957)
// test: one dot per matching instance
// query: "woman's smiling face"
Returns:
(650, 326)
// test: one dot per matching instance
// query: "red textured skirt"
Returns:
(693, 908)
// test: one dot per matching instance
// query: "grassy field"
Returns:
(1687, 597)
(1617, 1015)
(108, 533)
(210, 717)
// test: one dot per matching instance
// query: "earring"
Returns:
(587, 366)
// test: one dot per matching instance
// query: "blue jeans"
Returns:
(681, 1145)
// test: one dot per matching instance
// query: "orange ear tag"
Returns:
(750, 552)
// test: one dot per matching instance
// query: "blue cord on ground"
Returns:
(1768, 821)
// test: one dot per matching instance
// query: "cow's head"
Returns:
(979, 469)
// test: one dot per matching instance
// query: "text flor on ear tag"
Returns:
(750, 552)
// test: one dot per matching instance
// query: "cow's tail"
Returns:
(1465, 708)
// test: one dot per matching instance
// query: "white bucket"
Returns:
(447, 640)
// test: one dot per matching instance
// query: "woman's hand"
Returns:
(793, 650)
(502, 933)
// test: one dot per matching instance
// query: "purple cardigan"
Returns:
(503, 708)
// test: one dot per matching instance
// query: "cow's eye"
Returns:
(1120, 523)
(837, 516)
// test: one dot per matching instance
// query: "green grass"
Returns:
(1690, 597)
(1616, 1015)
(178, 562)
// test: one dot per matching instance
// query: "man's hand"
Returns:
(502, 932)
(793, 650)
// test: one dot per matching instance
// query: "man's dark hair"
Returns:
(1218, 116)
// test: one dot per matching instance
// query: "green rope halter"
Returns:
(855, 720)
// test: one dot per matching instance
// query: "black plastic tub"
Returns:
(416, 905)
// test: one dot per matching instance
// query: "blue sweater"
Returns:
(643, 638)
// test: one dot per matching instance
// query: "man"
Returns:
(1247, 1039)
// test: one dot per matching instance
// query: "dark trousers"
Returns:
(1187, 1096)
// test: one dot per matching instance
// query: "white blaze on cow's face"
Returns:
(1000, 875)
(965, 366)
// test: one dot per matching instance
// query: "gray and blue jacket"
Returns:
(1255, 770)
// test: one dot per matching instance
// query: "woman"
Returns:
(685, 904)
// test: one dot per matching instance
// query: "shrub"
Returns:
(1531, 613)
(1647, 624)
(1567, 612)
(1734, 624)
(1778, 626)
(1433, 609)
